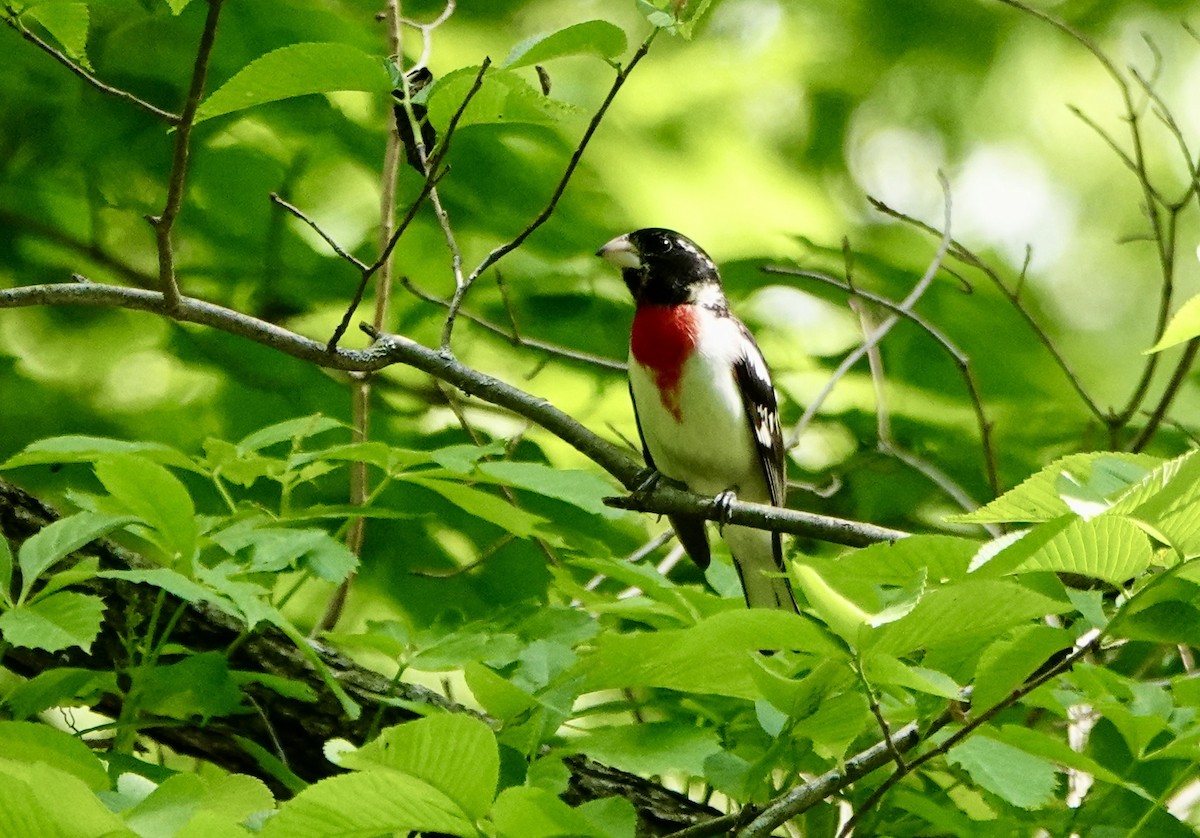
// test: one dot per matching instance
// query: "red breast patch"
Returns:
(662, 339)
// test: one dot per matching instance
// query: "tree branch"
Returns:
(12, 18)
(169, 283)
(396, 349)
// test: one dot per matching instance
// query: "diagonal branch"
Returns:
(13, 19)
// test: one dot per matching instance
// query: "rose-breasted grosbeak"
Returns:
(702, 395)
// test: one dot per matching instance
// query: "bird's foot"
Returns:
(644, 484)
(723, 506)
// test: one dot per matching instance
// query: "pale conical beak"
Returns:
(621, 252)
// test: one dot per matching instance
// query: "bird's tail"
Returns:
(758, 556)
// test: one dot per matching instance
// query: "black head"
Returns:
(662, 267)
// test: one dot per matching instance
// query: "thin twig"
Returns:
(1164, 402)
(12, 18)
(503, 250)
(967, 257)
(316, 228)
(426, 30)
(164, 222)
(516, 339)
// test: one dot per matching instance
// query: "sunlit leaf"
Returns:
(59, 539)
(1021, 778)
(1183, 326)
(68, 23)
(56, 622)
(297, 70)
(89, 449)
(598, 37)
(1009, 661)
(155, 496)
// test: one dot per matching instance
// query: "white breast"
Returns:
(711, 449)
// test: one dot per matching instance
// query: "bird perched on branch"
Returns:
(703, 399)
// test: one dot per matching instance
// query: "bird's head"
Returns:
(662, 267)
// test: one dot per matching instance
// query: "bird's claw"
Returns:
(644, 484)
(723, 506)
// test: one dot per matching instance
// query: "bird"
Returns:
(705, 407)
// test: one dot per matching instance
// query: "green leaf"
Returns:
(1167, 501)
(57, 540)
(155, 496)
(1020, 778)
(175, 583)
(68, 23)
(1057, 750)
(32, 742)
(367, 803)
(37, 799)
(291, 430)
(674, 16)
(504, 97)
(274, 548)
(965, 615)
(452, 752)
(717, 656)
(650, 748)
(1039, 499)
(583, 489)
(484, 506)
(1006, 664)
(942, 558)
(6, 569)
(66, 685)
(597, 37)
(1109, 548)
(57, 622)
(89, 449)
(189, 804)
(199, 685)
(523, 812)
(297, 70)
(177, 6)
(884, 670)
(1183, 326)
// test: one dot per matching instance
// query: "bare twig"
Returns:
(13, 19)
(516, 339)
(503, 250)
(426, 30)
(316, 228)
(967, 257)
(163, 223)
(1164, 402)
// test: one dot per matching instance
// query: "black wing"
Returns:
(762, 412)
(688, 529)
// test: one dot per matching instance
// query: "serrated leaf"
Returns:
(1183, 326)
(59, 539)
(942, 558)
(291, 430)
(452, 752)
(365, 803)
(483, 505)
(199, 685)
(1006, 664)
(1038, 499)
(1021, 778)
(57, 622)
(297, 70)
(156, 496)
(1108, 548)
(272, 549)
(89, 449)
(582, 489)
(31, 742)
(964, 615)
(716, 656)
(63, 686)
(175, 583)
(1056, 749)
(650, 748)
(597, 37)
